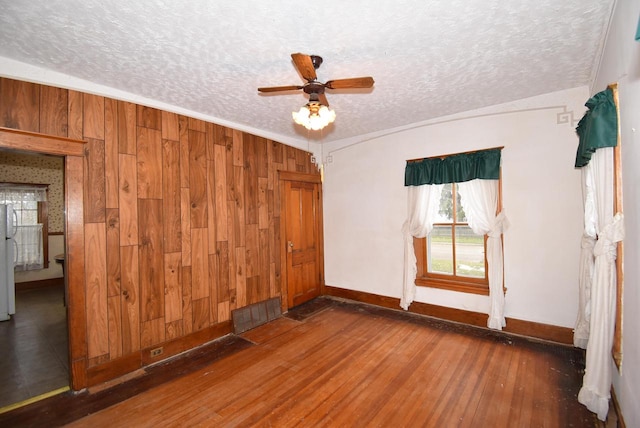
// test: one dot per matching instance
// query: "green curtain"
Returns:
(459, 168)
(598, 127)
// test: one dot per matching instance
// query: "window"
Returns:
(452, 256)
(29, 203)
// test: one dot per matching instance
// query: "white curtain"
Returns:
(479, 199)
(595, 391)
(585, 273)
(422, 208)
(29, 247)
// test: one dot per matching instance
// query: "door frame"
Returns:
(73, 153)
(283, 177)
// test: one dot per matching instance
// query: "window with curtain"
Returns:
(29, 203)
(451, 254)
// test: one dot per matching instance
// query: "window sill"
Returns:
(452, 285)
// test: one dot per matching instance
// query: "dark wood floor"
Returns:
(34, 346)
(332, 363)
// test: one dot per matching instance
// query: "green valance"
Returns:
(484, 164)
(598, 127)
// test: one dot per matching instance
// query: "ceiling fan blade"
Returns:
(355, 82)
(304, 64)
(323, 100)
(279, 88)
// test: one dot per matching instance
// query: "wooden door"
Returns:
(303, 241)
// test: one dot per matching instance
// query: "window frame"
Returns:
(447, 282)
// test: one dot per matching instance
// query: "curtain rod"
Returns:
(452, 154)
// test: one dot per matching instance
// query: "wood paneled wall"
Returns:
(181, 217)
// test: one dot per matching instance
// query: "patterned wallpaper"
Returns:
(39, 169)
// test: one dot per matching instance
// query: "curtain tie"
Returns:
(612, 233)
(500, 224)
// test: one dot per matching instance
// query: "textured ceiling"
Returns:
(429, 58)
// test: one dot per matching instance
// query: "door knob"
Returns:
(289, 246)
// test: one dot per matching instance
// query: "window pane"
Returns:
(469, 253)
(445, 211)
(440, 250)
(461, 217)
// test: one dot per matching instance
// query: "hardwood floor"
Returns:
(333, 363)
(33, 345)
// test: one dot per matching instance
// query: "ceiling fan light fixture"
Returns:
(314, 116)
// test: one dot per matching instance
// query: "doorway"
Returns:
(304, 265)
(34, 351)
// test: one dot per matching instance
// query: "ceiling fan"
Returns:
(307, 66)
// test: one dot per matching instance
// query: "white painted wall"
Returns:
(365, 205)
(621, 64)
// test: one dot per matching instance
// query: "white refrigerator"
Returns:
(7, 262)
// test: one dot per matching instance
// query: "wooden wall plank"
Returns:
(183, 129)
(130, 301)
(95, 188)
(149, 117)
(262, 168)
(170, 126)
(263, 206)
(214, 268)
(211, 205)
(241, 277)
(151, 260)
(263, 292)
(128, 200)
(238, 148)
(111, 152)
(250, 180)
(239, 221)
(197, 125)
(113, 252)
(220, 169)
(149, 163)
(222, 251)
(252, 251)
(199, 264)
(185, 224)
(173, 286)
(187, 301)
(115, 326)
(198, 179)
(53, 111)
(200, 313)
(173, 330)
(171, 196)
(93, 120)
(74, 114)
(20, 105)
(152, 332)
(127, 128)
(96, 286)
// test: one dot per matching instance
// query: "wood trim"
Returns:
(617, 409)
(75, 269)
(41, 143)
(42, 283)
(298, 176)
(131, 362)
(562, 335)
(616, 350)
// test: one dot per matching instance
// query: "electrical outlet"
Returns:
(156, 352)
